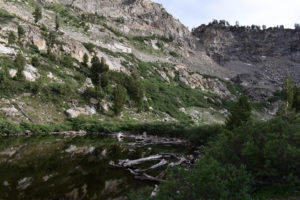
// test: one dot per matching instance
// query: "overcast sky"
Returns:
(193, 13)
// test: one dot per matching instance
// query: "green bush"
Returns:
(270, 150)
(7, 127)
(119, 99)
(35, 62)
(209, 179)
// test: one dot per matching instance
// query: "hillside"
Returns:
(142, 44)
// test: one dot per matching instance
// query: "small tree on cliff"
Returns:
(240, 114)
(57, 22)
(37, 14)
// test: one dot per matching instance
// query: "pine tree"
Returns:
(57, 22)
(98, 68)
(20, 65)
(136, 91)
(95, 70)
(85, 60)
(37, 14)
(240, 114)
(104, 67)
(104, 80)
(21, 32)
(119, 99)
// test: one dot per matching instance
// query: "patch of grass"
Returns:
(5, 16)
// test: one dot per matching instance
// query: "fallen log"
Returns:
(130, 163)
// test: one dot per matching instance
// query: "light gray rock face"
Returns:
(75, 112)
(258, 60)
(142, 15)
(31, 73)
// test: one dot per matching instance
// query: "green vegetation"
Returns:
(20, 65)
(291, 97)
(174, 54)
(21, 32)
(5, 16)
(57, 22)
(119, 99)
(251, 160)
(241, 113)
(37, 14)
(11, 38)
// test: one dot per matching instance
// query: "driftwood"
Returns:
(130, 163)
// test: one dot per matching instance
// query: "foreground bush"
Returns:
(270, 150)
(209, 179)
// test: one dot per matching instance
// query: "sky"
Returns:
(193, 13)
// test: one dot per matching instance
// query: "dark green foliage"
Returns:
(209, 179)
(19, 63)
(270, 150)
(104, 80)
(240, 114)
(67, 61)
(119, 99)
(57, 22)
(37, 14)
(97, 69)
(174, 54)
(296, 100)
(104, 67)
(21, 32)
(90, 47)
(11, 37)
(136, 91)
(85, 60)
(35, 61)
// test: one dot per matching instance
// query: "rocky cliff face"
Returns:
(258, 59)
(138, 16)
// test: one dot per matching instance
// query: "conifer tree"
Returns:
(20, 65)
(21, 32)
(37, 14)
(119, 99)
(85, 60)
(240, 113)
(95, 70)
(57, 22)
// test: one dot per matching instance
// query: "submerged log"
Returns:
(146, 177)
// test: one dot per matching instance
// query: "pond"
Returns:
(89, 167)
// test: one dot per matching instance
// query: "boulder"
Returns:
(75, 112)
(31, 73)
